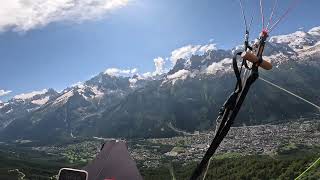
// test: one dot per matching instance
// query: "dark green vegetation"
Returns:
(289, 162)
(20, 162)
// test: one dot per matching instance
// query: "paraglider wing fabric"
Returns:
(113, 162)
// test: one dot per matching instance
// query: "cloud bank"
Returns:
(121, 72)
(30, 95)
(187, 51)
(181, 74)
(4, 92)
(24, 15)
(159, 65)
(224, 64)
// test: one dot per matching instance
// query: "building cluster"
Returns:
(245, 140)
(262, 139)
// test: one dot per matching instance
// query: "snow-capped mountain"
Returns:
(73, 105)
(300, 46)
(22, 104)
(188, 96)
(298, 40)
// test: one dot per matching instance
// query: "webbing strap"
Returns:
(227, 115)
(236, 71)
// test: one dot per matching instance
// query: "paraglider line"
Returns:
(291, 93)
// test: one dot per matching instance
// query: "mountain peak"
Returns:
(298, 39)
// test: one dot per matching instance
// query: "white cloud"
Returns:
(80, 87)
(159, 64)
(147, 75)
(214, 67)
(77, 84)
(181, 74)
(4, 92)
(315, 32)
(134, 70)
(25, 96)
(189, 50)
(120, 72)
(207, 48)
(24, 15)
(217, 66)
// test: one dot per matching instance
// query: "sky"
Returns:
(57, 43)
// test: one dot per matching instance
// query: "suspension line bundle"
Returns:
(232, 105)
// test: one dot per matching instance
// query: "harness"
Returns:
(232, 105)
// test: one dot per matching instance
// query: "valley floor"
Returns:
(262, 152)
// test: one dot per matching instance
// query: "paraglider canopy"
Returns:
(113, 162)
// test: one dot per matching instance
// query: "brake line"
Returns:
(303, 99)
(287, 91)
(233, 104)
(292, 5)
(272, 13)
(312, 165)
(262, 14)
(291, 93)
(243, 14)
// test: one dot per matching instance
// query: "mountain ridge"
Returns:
(188, 96)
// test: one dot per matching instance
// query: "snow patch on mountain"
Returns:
(64, 97)
(277, 59)
(296, 40)
(41, 101)
(97, 92)
(2, 105)
(30, 95)
(80, 88)
(133, 82)
(311, 53)
(9, 111)
(5, 124)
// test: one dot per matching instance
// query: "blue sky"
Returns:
(43, 50)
